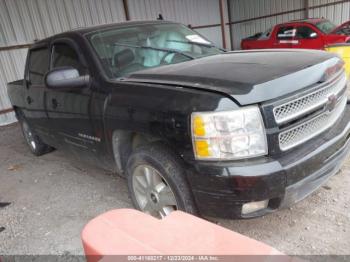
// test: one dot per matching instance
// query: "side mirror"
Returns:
(313, 35)
(66, 77)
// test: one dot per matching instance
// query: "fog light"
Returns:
(254, 206)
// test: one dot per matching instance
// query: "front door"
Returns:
(69, 108)
(284, 37)
(34, 111)
(306, 37)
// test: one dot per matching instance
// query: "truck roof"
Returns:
(313, 21)
(85, 30)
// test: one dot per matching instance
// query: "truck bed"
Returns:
(15, 91)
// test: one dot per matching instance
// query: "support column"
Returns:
(222, 22)
(229, 23)
(126, 10)
(307, 8)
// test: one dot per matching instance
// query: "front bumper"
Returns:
(220, 189)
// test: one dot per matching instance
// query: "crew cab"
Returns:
(190, 126)
(307, 34)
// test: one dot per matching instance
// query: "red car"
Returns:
(308, 34)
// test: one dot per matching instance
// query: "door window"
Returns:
(64, 55)
(286, 33)
(38, 65)
(305, 32)
(266, 34)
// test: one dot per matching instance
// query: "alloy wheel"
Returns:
(152, 192)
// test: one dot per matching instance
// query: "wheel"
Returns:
(36, 145)
(157, 182)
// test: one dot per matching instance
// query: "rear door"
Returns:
(284, 36)
(307, 37)
(69, 109)
(37, 67)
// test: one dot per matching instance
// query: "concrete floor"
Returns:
(52, 197)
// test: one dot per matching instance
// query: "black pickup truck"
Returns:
(191, 127)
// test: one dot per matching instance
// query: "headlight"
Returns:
(228, 135)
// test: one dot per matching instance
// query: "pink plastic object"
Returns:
(130, 232)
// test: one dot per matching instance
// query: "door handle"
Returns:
(55, 104)
(29, 100)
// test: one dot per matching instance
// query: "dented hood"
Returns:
(248, 76)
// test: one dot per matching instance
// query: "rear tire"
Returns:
(157, 182)
(35, 144)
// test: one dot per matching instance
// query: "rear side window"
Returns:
(305, 32)
(64, 55)
(38, 65)
(266, 34)
(286, 33)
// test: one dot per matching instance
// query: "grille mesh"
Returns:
(311, 128)
(304, 104)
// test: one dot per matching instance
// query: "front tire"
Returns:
(35, 144)
(157, 182)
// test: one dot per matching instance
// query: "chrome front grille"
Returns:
(308, 115)
(302, 105)
(309, 129)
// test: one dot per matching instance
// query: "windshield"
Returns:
(266, 34)
(126, 50)
(326, 26)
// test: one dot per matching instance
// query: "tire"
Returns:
(35, 144)
(164, 168)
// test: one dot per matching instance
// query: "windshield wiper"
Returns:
(169, 50)
(197, 43)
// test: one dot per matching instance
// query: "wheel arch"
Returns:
(125, 142)
(17, 111)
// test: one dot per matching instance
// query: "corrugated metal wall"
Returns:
(23, 21)
(338, 13)
(11, 69)
(247, 9)
(193, 12)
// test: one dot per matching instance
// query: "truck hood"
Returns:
(248, 77)
(345, 28)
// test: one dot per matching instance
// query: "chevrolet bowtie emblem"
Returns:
(331, 103)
